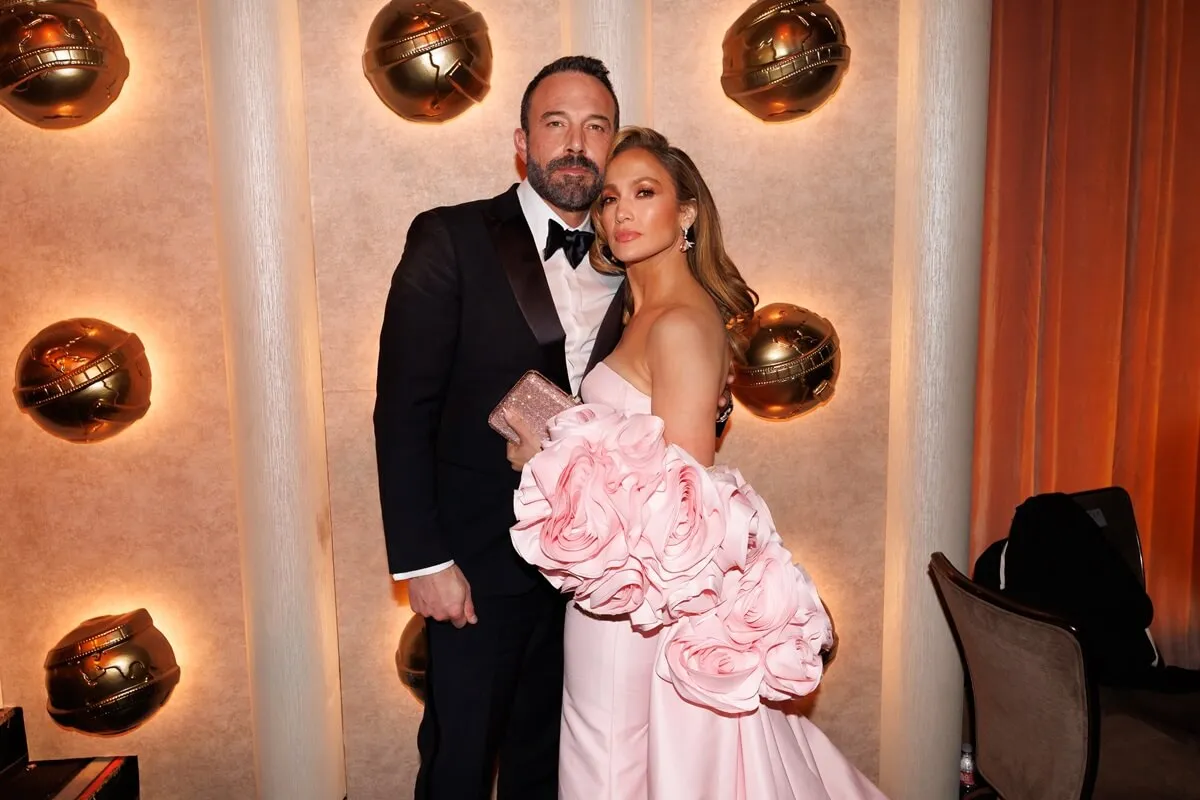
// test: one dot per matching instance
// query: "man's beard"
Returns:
(568, 192)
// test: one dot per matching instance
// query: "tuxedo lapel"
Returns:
(610, 329)
(518, 255)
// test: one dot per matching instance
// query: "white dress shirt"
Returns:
(581, 298)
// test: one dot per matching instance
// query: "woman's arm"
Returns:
(685, 353)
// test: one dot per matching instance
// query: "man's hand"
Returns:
(443, 596)
(531, 443)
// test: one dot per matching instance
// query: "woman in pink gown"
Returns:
(688, 611)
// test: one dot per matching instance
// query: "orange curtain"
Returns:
(1089, 360)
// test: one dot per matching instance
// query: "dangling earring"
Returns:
(607, 252)
(687, 242)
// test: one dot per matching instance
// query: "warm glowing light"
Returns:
(157, 335)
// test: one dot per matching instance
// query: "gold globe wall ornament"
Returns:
(83, 380)
(61, 62)
(412, 657)
(784, 58)
(786, 363)
(110, 674)
(428, 61)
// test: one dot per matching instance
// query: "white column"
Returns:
(269, 301)
(618, 33)
(941, 138)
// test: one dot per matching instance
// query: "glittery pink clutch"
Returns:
(536, 399)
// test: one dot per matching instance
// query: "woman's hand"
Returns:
(530, 444)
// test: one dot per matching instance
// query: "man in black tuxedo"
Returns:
(484, 292)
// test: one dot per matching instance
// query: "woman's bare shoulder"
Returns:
(682, 323)
(687, 333)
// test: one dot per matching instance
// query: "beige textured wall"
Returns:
(113, 220)
(807, 211)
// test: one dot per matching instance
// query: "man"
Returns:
(484, 292)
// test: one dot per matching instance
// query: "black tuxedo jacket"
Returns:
(468, 313)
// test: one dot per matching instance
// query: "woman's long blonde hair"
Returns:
(707, 260)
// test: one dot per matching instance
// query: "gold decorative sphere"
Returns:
(430, 61)
(412, 656)
(787, 361)
(61, 62)
(83, 380)
(784, 58)
(110, 674)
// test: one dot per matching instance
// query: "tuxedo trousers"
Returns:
(494, 701)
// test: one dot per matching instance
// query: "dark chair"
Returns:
(1040, 730)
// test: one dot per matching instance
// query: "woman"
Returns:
(687, 610)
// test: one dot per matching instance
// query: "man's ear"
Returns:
(521, 143)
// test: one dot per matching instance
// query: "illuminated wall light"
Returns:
(412, 657)
(428, 61)
(784, 59)
(83, 380)
(110, 674)
(61, 62)
(788, 361)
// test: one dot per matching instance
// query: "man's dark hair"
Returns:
(585, 65)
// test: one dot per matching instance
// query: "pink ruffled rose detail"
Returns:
(639, 440)
(577, 420)
(749, 525)
(793, 669)
(761, 601)
(794, 666)
(563, 580)
(811, 620)
(634, 526)
(641, 451)
(709, 670)
(763, 531)
(696, 596)
(685, 526)
(618, 591)
(566, 520)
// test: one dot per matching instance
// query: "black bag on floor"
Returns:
(1055, 559)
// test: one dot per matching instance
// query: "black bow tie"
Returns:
(574, 244)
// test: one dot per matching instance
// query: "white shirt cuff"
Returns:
(417, 573)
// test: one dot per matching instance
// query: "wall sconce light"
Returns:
(61, 62)
(412, 657)
(83, 380)
(788, 360)
(110, 674)
(784, 58)
(429, 61)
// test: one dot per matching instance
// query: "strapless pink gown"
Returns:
(628, 735)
